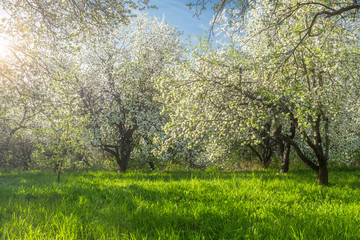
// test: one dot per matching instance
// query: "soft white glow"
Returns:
(4, 47)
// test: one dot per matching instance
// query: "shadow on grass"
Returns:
(338, 176)
(171, 176)
(97, 208)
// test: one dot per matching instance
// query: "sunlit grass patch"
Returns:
(179, 205)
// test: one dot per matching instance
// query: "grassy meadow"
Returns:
(179, 205)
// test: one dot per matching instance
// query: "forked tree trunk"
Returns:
(265, 150)
(122, 152)
(285, 148)
(264, 156)
(266, 160)
(320, 168)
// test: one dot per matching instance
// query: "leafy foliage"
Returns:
(268, 84)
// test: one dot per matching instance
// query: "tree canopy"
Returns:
(276, 76)
(90, 78)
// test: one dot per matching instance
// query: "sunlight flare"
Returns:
(4, 47)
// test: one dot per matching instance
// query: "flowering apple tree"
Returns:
(115, 75)
(270, 84)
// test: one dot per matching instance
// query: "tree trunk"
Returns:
(321, 169)
(26, 163)
(58, 170)
(123, 164)
(125, 153)
(265, 156)
(285, 157)
(284, 147)
(266, 160)
(122, 160)
(323, 175)
(121, 153)
(151, 164)
(58, 176)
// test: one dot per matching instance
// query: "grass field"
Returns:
(179, 205)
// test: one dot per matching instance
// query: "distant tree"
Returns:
(60, 141)
(205, 88)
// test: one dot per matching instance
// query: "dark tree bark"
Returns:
(284, 149)
(264, 156)
(125, 153)
(58, 166)
(122, 151)
(265, 150)
(320, 167)
(121, 155)
(323, 175)
(151, 164)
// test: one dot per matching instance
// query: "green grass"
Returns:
(179, 205)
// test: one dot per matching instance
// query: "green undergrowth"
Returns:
(179, 205)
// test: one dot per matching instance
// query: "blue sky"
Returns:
(179, 15)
